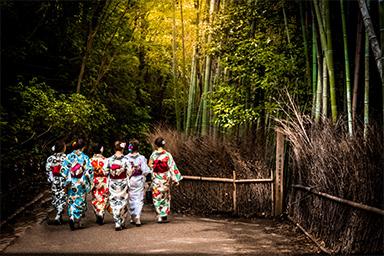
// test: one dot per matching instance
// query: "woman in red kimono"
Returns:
(100, 191)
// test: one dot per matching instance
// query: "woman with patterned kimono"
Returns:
(164, 173)
(53, 168)
(100, 191)
(140, 169)
(78, 174)
(119, 170)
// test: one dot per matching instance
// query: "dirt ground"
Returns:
(183, 235)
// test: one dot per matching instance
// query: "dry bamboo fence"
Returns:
(208, 166)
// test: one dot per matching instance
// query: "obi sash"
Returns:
(56, 170)
(160, 166)
(74, 170)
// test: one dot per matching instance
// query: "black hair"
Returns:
(160, 142)
(118, 146)
(78, 144)
(96, 148)
(59, 146)
(135, 145)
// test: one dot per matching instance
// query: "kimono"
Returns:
(100, 191)
(140, 169)
(118, 170)
(164, 172)
(78, 174)
(59, 197)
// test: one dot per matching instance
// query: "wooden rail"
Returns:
(341, 200)
(234, 181)
(226, 180)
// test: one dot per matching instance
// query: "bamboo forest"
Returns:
(271, 113)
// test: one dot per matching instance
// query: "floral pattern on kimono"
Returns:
(140, 169)
(53, 168)
(118, 170)
(100, 190)
(164, 172)
(78, 174)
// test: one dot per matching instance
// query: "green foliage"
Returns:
(259, 63)
(42, 109)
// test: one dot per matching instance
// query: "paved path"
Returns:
(183, 235)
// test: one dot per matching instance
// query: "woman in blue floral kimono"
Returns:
(140, 169)
(53, 168)
(78, 174)
(119, 170)
(164, 173)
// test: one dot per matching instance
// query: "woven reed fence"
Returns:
(207, 157)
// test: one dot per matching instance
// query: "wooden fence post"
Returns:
(278, 191)
(234, 193)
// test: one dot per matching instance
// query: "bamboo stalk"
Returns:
(366, 83)
(346, 66)
(310, 236)
(174, 60)
(341, 200)
(319, 91)
(314, 66)
(325, 89)
(357, 67)
(305, 43)
(364, 8)
(326, 44)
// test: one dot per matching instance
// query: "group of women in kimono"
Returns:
(116, 183)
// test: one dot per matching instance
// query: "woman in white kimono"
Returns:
(53, 168)
(119, 170)
(140, 169)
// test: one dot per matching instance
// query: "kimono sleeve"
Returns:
(127, 166)
(48, 169)
(175, 173)
(144, 166)
(88, 173)
(66, 165)
(106, 167)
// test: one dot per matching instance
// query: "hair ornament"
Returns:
(53, 148)
(130, 148)
(102, 149)
(74, 144)
(163, 142)
(123, 144)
